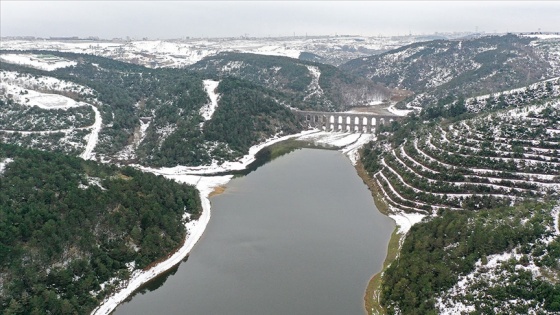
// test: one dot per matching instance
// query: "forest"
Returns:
(337, 90)
(71, 229)
(171, 100)
(435, 254)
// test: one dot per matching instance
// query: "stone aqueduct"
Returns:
(346, 122)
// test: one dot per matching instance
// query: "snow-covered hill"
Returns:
(179, 53)
(436, 69)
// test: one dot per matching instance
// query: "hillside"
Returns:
(436, 69)
(485, 171)
(179, 53)
(491, 159)
(500, 261)
(70, 229)
(308, 85)
(115, 111)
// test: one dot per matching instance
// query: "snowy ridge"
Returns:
(181, 53)
(549, 88)
(43, 83)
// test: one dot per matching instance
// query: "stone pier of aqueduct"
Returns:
(346, 122)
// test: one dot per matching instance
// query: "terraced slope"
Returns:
(492, 160)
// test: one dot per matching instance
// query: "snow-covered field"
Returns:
(42, 100)
(37, 61)
(184, 52)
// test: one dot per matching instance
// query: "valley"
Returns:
(468, 168)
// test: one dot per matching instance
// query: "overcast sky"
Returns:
(177, 19)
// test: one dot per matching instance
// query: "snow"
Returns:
(542, 36)
(29, 97)
(405, 221)
(183, 52)
(36, 61)
(208, 110)
(336, 139)
(314, 88)
(96, 181)
(93, 136)
(4, 163)
(352, 151)
(399, 112)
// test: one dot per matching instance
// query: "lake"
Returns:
(300, 235)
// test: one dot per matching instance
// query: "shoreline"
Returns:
(208, 186)
(195, 229)
(403, 223)
(372, 292)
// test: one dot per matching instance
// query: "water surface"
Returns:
(300, 235)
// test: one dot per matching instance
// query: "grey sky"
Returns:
(158, 19)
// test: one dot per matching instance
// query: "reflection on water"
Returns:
(157, 282)
(301, 235)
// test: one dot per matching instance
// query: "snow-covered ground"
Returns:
(3, 164)
(314, 89)
(129, 152)
(184, 52)
(91, 139)
(399, 112)
(208, 110)
(42, 83)
(36, 61)
(454, 300)
(30, 97)
(405, 221)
